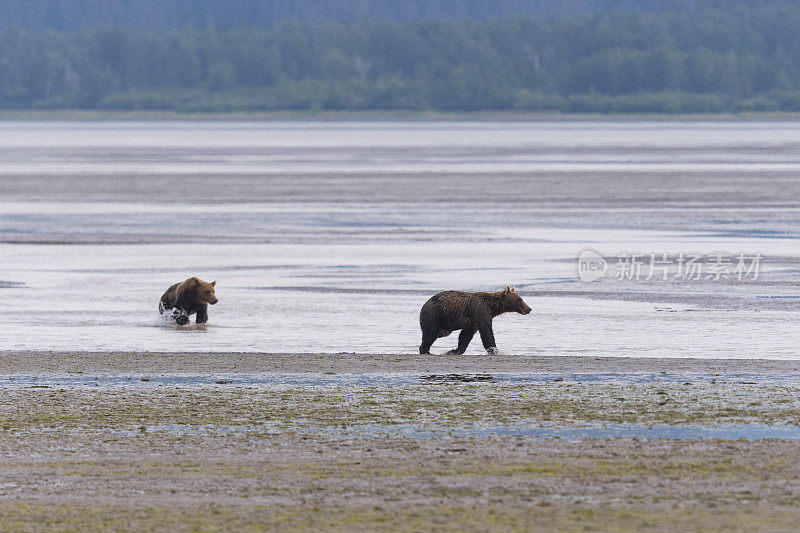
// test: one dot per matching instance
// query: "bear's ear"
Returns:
(513, 289)
(508, 289)
(213, 283)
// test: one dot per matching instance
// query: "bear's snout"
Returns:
(525, 310)
(212, 300)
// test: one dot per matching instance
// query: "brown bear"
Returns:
(186, 298)
(469, 312)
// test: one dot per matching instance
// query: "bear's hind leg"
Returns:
(463, 340)
(425, 347)
(487, 336)
(180, 316)
(428, 337)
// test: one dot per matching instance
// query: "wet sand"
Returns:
(143, 363)
(289, 484)
(418, 454)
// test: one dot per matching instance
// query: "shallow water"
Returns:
(328, 237)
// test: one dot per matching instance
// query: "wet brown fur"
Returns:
(187, 298)
(469, 312)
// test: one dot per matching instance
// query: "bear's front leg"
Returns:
(202, 314)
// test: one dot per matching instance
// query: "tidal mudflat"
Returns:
(630, 402)
(283, 441)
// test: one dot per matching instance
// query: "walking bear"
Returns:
(186, 298)
(468, 311)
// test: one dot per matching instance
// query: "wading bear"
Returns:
(449, 311)
(186, 298)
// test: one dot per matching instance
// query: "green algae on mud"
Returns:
(425, 407)
(294, 458)
(579, 517)
(508, 484)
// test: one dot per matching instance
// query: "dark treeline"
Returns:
(72, 15)
(675, 61)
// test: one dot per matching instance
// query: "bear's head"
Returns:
(513, 302)
(203, 292)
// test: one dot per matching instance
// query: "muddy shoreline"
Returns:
(109, 363)
(92, 441)
(407, 484)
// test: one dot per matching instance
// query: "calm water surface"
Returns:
(329, 236)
